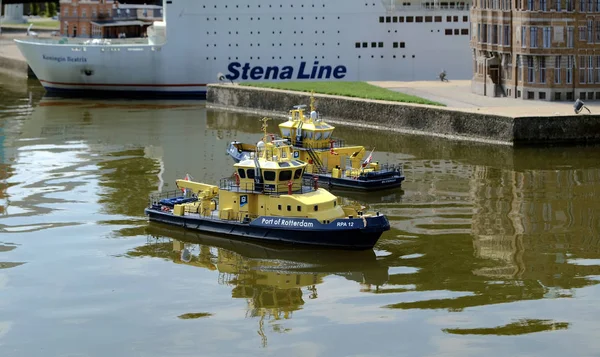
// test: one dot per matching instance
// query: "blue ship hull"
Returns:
(345, 233)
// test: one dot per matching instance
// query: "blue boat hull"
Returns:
(345, 233)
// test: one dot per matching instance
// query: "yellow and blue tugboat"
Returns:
(267, 200)
(333, 163)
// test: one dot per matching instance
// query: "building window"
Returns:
(558, 5)
(508, 67)
(494, 35)
(590, 5)
(542, 65)
(597, 75)
(530, 71)
(518, 67)
(74, 12)
(582, 5)
(547, 39)
(94, 13)
(533, 31)
(569, 69)
(523, 36)
(570, 37)
(437, 19)
(530, 5)
(590, 29)
(597, 5)
(582, 61)
(590, 75)
(430, 19)
(464, 31)
(582, 33)
(543, 5)
(598, 31)
(557, 69)
(506, 37)
(569, 5)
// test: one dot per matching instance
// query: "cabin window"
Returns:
(250, 173)
(242, 173)
(285, 175)
(316, 207)
(286, 132)
(437, 19)
(409, 19)
(289, 208)
(297, 174)
(334, 203)
(279, 207)
(326, 134)
(270, 176)
(419, 19)
(318, 135)
(428, 19)
(299, 208)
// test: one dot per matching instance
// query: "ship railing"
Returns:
(229, 184)
(78, 41)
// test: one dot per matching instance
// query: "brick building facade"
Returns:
(536, 49)
(106, 18)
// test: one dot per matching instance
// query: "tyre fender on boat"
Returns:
(237, 178)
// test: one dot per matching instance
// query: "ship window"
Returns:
(395, 45)
(326, 134)
(402, 45)
(448, 31)
(250, 173)
(299, 208)
(365, 44)
(465, 18)
(285, 175)
(455, 18)
(388, 19)
(395, 19)
(373, 44)
(297, 174)
(456, 32)
(318, 135)
(316, 207)
(464, 31)
(419, 19)
(409, 19)
(334, 203)
(437, 19)
(428, 19)
(448, 18)
(242, 173)
(289, 208)
(380, 44)
(400, 18)
(380, 18)
(279, 207)
(357, 45)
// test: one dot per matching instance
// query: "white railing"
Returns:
(75, 41)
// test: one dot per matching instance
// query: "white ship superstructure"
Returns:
(262, 40)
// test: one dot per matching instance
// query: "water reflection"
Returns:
(275, 281)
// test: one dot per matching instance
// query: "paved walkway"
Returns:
(457, 95)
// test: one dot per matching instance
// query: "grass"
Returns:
(346, 89)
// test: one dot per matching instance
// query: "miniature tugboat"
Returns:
(334, 164)
(266, 200)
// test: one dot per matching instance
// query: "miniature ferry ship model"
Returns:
(333, 163)
(267, 201)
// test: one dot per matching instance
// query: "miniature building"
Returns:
(106, 18)
(536, 49)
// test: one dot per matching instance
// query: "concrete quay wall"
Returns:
(451, 123)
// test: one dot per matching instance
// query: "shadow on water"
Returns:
(275, 281)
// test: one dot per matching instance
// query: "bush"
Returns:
(50, 9)
(35, 9)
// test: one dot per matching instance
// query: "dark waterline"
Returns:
(493, 251)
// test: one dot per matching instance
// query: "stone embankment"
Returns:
(12, 61)
(413, 118)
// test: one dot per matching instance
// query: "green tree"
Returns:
(35, 9)
(51, 9)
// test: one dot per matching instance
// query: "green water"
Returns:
(492, 252)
